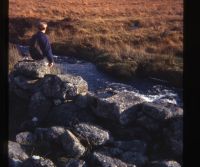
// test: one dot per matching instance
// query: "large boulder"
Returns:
(164, 164)
(132, 146)
(114, 107)
(131, 152)
(22, 86)
(16, 152)
(38, 161)
(68, 114)
(24, 83)
(98, 159)
(81, 101)
(70, 162)
(75, 163)
(92, 134)
(29, 124)
(156, 111)
(14, 162)
(65, 140)
(52, 87)
(152, 116)
(79, 84)
(52, 134)
(173, 136)
(134, 158)
(26, 138)
(72, 145)
(64, 86)
(39, 106)
(32, 69)
(175, 110)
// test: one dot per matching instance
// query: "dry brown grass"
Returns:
(13, 57)
(91, 28)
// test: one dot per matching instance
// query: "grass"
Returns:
(123, 37)
(13, 57)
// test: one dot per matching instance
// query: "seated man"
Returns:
(40, 47)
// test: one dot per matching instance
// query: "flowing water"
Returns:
(150, 90)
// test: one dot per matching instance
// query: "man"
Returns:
(40, 47)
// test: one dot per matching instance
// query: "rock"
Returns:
(63, 86)
(29, 125)
(22, 94)
(16, 152)
(152, 116)
(72, 145)
(76, 163)
(54, 133)
(134, 158)
(173, 136)
(41, 134)
(98, 159)
(45, 148)
(133, 133)
(52, 87)
(61, 139)
(39, 106)
(70, 162)
(156, 111)
(81, 101)
(57, 102)
(37, 161)
(61, 161)
(114, 106)
(176, 111)
(92, 134)
(68, 114)
(130, 152)
(14, 88)
(14, 162)
(25, 83)
(31, 69)
(78, 83)
(18, 108)
(130, 115)
(26, 138)
(132, 146)
(164, 164)
(44, 144)
(110, 151)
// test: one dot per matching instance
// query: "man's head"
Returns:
(42, 26)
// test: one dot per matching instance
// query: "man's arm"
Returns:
(47, 51)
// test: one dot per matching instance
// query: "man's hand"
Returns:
(50, 64)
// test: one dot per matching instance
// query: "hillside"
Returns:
(123, 37)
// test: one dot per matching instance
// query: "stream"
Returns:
(148, 89)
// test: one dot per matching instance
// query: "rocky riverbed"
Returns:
(150, 89)
(59, 120)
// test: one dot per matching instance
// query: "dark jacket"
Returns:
(44, 45)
